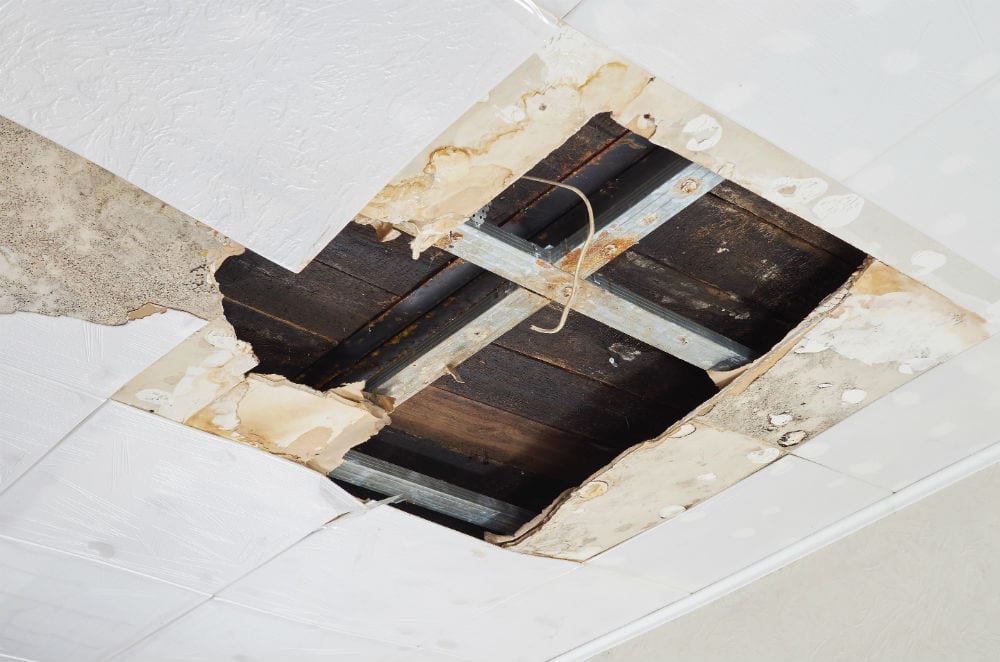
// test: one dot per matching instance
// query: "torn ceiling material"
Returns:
(865, 340)
(440, 339)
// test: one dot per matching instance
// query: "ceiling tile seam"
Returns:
(157, 630)
(828, 535)
(63, 552)
(843, 179)
(859, 479)
(55, 382)
(52, 448)
(318, 625)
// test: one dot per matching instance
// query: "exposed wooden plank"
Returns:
(547, 394)
(480, 430)
(282, 349)
(596, 351)
(387, 265)
(789, 222)
(734, 250)
(723, 312)
(324, 300)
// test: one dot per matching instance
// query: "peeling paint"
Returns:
(742, 429)
(204, 383)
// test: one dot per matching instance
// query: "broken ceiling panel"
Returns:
(807, 76)
(257, 120)
(538, 411)
(862, 342)
(573, 78)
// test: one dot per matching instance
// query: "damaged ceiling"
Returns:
(597, 435)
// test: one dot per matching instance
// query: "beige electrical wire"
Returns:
(583, 252)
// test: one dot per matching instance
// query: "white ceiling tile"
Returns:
(834, 83)
(221, 631)
(154, 496)
(550, 619)
(34, 415)
(774, 507)
(931, 422)
(388, 574)
(273, 122)
(93, 358)
(942, 179)
(558, 8)
(59, 607)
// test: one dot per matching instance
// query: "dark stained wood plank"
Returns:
(732, 249)
(547, 394)
(775, 215)
(721, 311)
(480, 430)
(281, 348)
(590, 349)
(321, 299)
(387, 265)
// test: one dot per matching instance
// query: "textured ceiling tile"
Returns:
(550, 619)
(259, 118)
(834, 83)
(59, 607)
(389, 574)
(92, 358)
(768, 511)
(134, 490)
(34, 415)
(221, 631)
(942, 179)
(922, 427)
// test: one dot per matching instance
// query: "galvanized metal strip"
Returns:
(476, 330)
(439, 496)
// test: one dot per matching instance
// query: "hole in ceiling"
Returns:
(529, 415)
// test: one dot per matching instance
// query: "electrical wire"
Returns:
(583, 252)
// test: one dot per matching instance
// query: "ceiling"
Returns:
(126, 535)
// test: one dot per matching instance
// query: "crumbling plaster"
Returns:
(78, 241)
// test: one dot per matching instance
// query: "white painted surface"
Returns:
(834, 83)
(935, 420)
(56, 607)
(919, 585)
(389, 575)
(771, 509)
(34, 415)
(544, 621)
(943, 178)
(273, 122)
(897, 99)
(220, 631)
(156, 497)
(95, 359)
